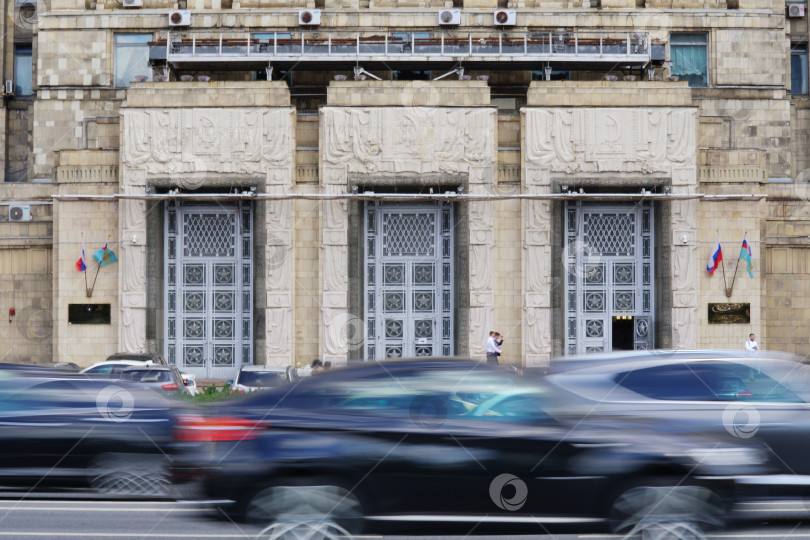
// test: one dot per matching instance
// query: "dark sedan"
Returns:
(761, 397)
(433, 442)
(71, 431)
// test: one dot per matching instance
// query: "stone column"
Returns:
(536, 270)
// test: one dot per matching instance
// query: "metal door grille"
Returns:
(209, 286)
(409, 280)
(609, 264)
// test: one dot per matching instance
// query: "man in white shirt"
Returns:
(493, 351)
(751, 345)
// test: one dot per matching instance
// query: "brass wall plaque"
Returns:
(729, 313)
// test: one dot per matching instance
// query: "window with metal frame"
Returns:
(689, 54)
(798, 68)
(131, 62)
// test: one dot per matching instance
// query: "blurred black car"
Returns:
(762, 397)
(429, 443)
(78, 432)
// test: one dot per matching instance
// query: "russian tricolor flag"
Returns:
(81, 266)
(714, 259)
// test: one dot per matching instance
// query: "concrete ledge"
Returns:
(186, 95)
(609, 94)
(425, 95)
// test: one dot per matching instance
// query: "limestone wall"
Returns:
(58, 116)
(92, 224)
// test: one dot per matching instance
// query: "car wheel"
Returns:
(141, 475)
(660, 509)
(323, 509)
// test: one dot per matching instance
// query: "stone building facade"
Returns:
(562, 178)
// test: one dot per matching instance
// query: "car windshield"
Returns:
(146, 375)
(261, 378)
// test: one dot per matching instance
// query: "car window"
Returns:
(522, 408)
(706, 381)
(146, 376)
(101, 370)
(669, 382)
(730, 381)
(261, 378)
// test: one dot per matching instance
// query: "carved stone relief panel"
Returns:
(226, 140)
(610, 140)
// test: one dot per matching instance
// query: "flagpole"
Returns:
(723, 265)
(734, 277)
(94, 279)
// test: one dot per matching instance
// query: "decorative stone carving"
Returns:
(395, 139)
(278, 330)
(616, 140)
(537, 331)
(684, 328)
(480, 325)
(134, 268)
(133, 330)
(226, 140)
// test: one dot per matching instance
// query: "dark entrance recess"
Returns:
(622, 333)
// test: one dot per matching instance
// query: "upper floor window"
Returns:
(690, 57)
(23, 70)
(132, 59)
(798, 69)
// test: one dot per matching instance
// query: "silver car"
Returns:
(164, 379)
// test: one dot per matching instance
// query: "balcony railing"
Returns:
(482, 47)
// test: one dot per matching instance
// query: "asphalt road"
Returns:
(60, 516)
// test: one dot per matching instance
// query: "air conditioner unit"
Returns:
(9, 87)
(309, 17)
(180, 18)
(505, 17)
(133, 3)
(19, 213)
(450, 17)
(796, 10)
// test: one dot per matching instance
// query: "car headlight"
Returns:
(727, 457)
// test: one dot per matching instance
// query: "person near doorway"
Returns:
(317, 366)
(493, 349)
(751, 345)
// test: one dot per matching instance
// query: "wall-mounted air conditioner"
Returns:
(505, 17)
(132, 3)
(796, 10)
(309, 17)
(19, 213)
(450, 17)
(180, 18)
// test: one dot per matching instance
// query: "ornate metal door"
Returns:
(209, 285)
(409, 280)
(609, 259)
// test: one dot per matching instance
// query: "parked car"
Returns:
(161, 378)
(763, 397)
(426, 443)
(153, 358)
(79, 432)
(255, 378)
(114, 366)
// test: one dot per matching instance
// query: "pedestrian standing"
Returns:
(493, 350)
(751, 345)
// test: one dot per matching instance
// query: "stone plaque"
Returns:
(729, 313)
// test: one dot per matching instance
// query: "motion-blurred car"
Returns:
(79, 432)
(166, 379)
(764, 397)
(434, 442)
(256, 378)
